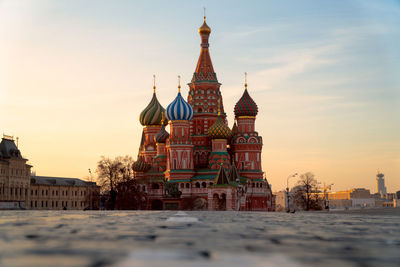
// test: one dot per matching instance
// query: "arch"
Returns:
(197, 185)
(204, 184)
(187, 185)
(222, 202)
(215, 201)
(157, 205)
(253, 140)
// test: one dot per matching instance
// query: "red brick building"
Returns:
(202, 163)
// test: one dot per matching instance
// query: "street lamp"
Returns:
(287, 190)
(326, 196)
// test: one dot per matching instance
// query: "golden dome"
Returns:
(219, 130)
(204, 28)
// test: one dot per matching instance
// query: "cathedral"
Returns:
(202, 163)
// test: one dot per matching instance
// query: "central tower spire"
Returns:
(204, 96)
(204, 69)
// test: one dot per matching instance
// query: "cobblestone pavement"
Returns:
(165, 238)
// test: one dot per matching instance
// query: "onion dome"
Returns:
(234, 129)
(246, 105)
(140, 165)
(204, 28)
(219, 130)
(179, 109)
(162, 135)
(152, 114)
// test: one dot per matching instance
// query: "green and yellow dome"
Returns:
(152, 114)
(219, 130)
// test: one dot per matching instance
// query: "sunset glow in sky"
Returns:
(75, 75)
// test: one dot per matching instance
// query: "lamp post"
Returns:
(287, 191)
(326, 196)
(91, 190)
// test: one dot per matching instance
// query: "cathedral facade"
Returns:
(202, 163)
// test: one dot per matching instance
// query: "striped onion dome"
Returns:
(219, 130)
(246, 106)
(152, 114)
(161, 136)
(179, 110)
(140, 165)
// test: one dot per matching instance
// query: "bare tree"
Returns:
(305, 193)
(117, 177)
(108, 171)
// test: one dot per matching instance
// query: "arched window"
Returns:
(203, 184)
(197, 185)
(187, 185)
(182, 185)
(200, 110)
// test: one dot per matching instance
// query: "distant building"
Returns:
(19, 191)
(356, 197)
(380, 184)
(14, 176)
(280, 201)
(55, 193)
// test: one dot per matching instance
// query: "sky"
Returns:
(75, 75)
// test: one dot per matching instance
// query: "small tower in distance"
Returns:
(380, 184)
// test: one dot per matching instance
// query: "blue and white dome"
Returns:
(179, 110)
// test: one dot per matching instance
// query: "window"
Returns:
(203, 184)
(197, 185)
(187, 185)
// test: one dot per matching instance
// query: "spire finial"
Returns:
(204, 12)
(245, 80)
(219, 107)
(154, 83)
(162, 118)
(179, 83)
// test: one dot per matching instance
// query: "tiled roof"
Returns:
(61, 181)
